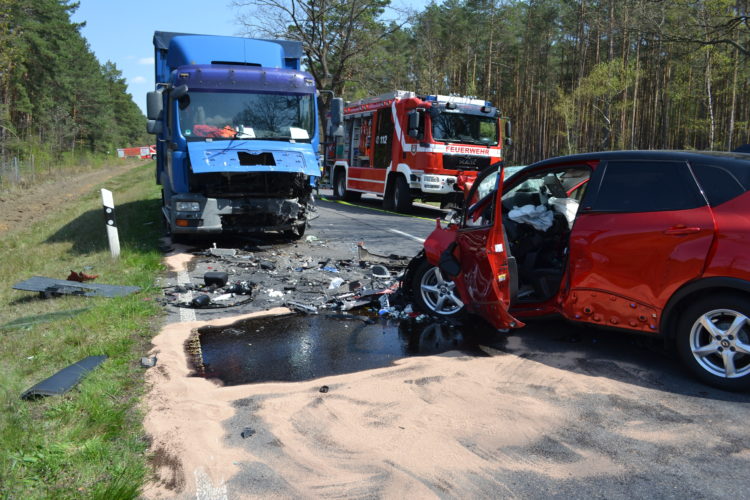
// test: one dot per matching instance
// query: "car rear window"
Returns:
(647, 186)
(721, 183)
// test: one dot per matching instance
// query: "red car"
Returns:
(654, 242)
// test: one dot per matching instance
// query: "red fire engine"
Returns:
(402, 146)
(142, 152)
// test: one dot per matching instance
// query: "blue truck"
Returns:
(237, 134)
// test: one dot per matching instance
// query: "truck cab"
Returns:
(236, 123)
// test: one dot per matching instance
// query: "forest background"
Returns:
(572, 75)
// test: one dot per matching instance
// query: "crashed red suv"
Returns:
(655, 242)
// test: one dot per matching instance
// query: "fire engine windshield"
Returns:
(227, 115)
(465, 129)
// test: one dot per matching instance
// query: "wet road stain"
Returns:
(298, 347)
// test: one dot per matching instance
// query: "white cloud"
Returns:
(146, 60)
(139, 79)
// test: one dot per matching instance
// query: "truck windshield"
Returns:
(229, 115)
(465, 129)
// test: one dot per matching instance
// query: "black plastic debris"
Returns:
(148, 362)
(247, 432)
(64, 380)
(202, 300)
(217, 278)
(51, 286)
(267, 265)
(323, 389)
(380, 271)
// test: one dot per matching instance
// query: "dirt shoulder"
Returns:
(24, 207)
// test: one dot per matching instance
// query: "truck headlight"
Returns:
(187, 206)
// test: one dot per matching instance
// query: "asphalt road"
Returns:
(683, 439)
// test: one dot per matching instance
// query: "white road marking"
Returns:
(406, 235)
(186, 314)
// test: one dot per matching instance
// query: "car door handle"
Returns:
(681, 229)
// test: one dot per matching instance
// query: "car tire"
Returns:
(340, 188)
(401, 195)
(433, 294)
(713, 340)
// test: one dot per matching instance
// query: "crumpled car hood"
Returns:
(252, 156)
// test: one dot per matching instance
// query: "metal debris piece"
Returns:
(222, 252)
(299, 306)
(64, 380)
(51, 286)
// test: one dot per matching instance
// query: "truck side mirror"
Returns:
(154, 104)
(413, 125)
(154, 127)
(508, 133)
(337, 112)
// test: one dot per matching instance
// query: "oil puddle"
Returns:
(298, 347)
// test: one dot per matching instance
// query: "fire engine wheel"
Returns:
(713, 340)
(340, 188)
(433, 293)
(401, 195)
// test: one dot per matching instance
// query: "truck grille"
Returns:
(252, 184)
(462, 162)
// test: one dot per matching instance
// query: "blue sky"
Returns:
(122, 32)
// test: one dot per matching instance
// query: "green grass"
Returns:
(89, 442)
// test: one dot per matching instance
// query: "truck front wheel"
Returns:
(339, 188)
(401, 195)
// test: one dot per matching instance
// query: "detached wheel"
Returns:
(340, 188)
(434, 293)
(713, 340)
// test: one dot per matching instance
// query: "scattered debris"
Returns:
(335, 283)
(50, 287)
(247, 432)
(81, 277)
(64, 380)
(148, 362)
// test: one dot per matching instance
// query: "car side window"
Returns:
(647, 186)
(481, 204)
(719, 183)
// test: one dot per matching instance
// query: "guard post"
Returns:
(109, 218)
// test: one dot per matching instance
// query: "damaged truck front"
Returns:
(235, 120)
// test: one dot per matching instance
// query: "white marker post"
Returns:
(109, 217)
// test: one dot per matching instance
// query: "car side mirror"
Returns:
(154, 127)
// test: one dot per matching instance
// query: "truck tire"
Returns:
(339, 188)
(296, 233)
(713, 340)
(401, 195)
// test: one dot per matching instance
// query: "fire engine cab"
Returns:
(404, 146)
